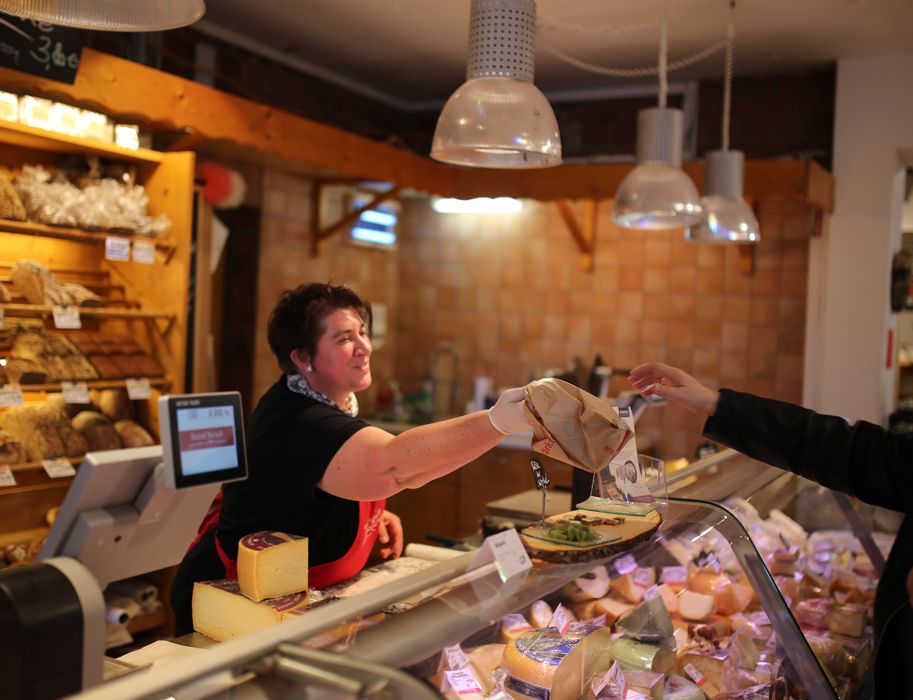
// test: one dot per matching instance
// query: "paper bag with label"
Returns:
(573, 426)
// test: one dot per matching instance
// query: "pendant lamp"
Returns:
(498, 118)
(657, 194)
(727, 217)
(109, 15)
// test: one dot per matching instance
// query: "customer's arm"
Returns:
(374, 464)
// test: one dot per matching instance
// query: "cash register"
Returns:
(127, 512)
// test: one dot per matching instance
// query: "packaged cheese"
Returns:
(485, 660)
(222, 612)
(272, 564)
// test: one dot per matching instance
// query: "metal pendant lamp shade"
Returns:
(109, 15)
(657, 194)
(727, 217)
(498, 118)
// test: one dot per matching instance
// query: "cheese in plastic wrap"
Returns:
(573, 426)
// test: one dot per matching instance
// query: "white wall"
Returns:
(874, 118)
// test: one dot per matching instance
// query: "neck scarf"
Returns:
(298, 384)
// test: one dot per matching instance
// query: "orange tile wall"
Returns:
(508, 292)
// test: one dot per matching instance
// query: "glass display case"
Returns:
(692, 613)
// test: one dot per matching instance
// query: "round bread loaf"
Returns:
(98, 431)
(11, 450)
(132, 434)
(114, 403)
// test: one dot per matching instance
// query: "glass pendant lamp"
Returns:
(498, 118)
(109, 15)
(657, 194)
(727, 217)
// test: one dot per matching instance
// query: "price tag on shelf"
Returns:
(58, 468)
(463, 682)
(625, 565)
(453, 658)
(139, 388)
(507, 552)
(117, 248)
(6, 476)
(67, 317)
(10, 395)
(75, 392)
(560, 619)
(144, 252)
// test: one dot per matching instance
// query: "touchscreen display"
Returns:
(206, 439)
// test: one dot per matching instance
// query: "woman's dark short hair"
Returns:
(296, 322)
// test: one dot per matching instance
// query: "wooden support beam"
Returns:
(584, 235)
(348, 219)
(746, 255)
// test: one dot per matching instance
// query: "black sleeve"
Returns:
(863, 459)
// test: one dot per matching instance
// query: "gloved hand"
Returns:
(508, 415)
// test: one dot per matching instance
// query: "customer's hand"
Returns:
(658, 379)
(390, 532)
(508, 415)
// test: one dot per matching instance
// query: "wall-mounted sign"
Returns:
(40, 48)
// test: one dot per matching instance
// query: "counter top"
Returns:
(514, 441)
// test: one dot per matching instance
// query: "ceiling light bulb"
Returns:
(498, 118)
(109, 15)
(727, 217)
(657, 194)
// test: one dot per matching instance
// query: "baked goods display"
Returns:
(116, 357)
(40, 286)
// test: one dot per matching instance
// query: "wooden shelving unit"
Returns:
(156, 383)
(38, 311)
(30, 228)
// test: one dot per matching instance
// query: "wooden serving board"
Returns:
(618, 538)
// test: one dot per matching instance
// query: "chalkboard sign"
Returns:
(40, 48)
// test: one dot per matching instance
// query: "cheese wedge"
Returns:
(485, 660)
(272, 564)
(695, 606)
(222, 612)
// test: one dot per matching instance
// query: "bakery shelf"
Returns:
(30, 466)
(87, 311)
(54, 142)
(30, 228)
(157, 383)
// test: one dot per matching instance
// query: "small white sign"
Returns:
(139, 389)
(625, 565)
(507, 552)
(560, 619)
(144, 252)
(75, 392)
(67, 317)
(614, 676)
(651, 592)
(695, 675)
(643, 577)
(58, 468)
(454, 658)
(6, 476)
(597, 621)
(10, 395)
(117, 248)
(674, 575)
(463, 682)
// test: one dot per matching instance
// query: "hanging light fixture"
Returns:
(498, 118)
(657, 194)
(109, 15)
(727, 217)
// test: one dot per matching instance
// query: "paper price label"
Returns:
(651, 592)
(139, 389)
(643, 577)
(6, 476)
(507, 552)
(597, 621)
(117, 248)
(625, 564)
(58, 468)
(454, 658)
(694, 674)
(463, 682)
(674, 575)
(144, 252)
(560, 619)
(67, 317)
(75, 392)
(614, 678)
(10, 395)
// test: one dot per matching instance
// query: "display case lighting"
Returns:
(478, 205)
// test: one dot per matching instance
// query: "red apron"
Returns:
(321, 575)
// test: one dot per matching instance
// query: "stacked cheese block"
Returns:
(271, 586)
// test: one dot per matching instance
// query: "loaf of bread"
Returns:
(11, 206)
(105, 368)
(5, 297)
(114, 403)
(39, 286)
(11, 450)
(31, 426)
(21, 370)
(59, 403)
(97, 430)
(132, 434)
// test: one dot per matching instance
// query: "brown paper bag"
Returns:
(573, 426)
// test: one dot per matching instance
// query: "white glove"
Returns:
(508, 415)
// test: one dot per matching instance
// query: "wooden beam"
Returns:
(582, 235)
(349, 218)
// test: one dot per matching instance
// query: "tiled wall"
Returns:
(508, 292)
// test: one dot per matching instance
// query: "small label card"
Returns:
(10, 395)
(58, 468)
(454, 658)
(139, 388)
(625, 565)
(560, 619)
(67, 317)
(507, 552)
(75, 392)
(144, 252)
(463, 682)
(6, 476)
(117, 248)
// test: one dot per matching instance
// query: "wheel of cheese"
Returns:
(272, 564)
(221, 612)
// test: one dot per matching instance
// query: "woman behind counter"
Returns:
(315, 468)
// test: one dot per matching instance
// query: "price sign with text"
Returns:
(58, 468)
(75, 392)
(10, 395)
(117, 248)
(507, 552)
(67, 317)
(6, 476)
(144, 252)
(139, 388)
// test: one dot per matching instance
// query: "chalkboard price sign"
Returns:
(40, 48)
